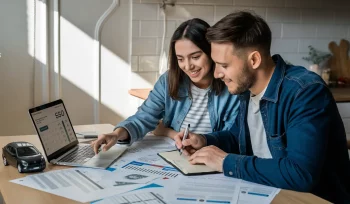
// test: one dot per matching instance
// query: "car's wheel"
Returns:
(19, 168)
(5, 161)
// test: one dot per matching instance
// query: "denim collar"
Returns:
(272, 91)
(184, 87)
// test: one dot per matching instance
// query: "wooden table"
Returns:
(140, 93)
(14, 193)
(339, 94)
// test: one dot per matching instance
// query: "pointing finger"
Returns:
(97, 144)
(109, 144)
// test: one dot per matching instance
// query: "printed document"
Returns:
(144, 196)
(146, 151)
(251, 193)
(204, 189)
(152, 169)
(85, 184)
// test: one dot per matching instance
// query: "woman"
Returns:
(187, 93)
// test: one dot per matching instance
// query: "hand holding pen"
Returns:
(185, 137)
(188, 143)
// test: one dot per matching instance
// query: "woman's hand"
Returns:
(161, 130)
(109, 139)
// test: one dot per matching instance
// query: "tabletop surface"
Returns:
(14, 193)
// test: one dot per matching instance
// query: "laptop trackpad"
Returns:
(105, 159)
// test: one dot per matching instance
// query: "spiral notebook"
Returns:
(181, 163)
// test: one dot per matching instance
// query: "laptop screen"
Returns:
(53, 126)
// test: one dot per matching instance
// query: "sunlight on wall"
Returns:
(143, 80)
(77, 54)
(78, 67)
(30, 27)
(115, 78)
(78, 70)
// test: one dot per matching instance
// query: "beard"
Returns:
(245, 80)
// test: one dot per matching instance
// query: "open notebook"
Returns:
(183, 165)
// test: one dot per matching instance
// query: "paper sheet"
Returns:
(252, 193)
(146, 151)
(84, 184)
(159, 170)
(121, 177)
(144, 196)
(204, 189)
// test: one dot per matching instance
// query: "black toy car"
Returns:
(24, 156)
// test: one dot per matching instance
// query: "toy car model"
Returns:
(24, 156)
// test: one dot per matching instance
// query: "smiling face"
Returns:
(194, 62)
(232, 67)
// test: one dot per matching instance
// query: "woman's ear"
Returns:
(254, 59)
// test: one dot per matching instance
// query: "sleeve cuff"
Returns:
(131, 131)
(231, 165)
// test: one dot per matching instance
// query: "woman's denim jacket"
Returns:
(159, 105)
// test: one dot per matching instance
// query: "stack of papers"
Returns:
(85, 184)
(198, 189)
(141, 176)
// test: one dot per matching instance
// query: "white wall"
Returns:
(78, 60)
(132, 35)
(295, 24)
(16, 65)
(76, 71)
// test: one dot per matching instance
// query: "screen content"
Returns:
(54, 128)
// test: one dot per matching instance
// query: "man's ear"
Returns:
(254, 59)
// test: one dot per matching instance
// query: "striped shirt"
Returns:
(198, 115)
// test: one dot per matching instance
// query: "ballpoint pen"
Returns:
(185, 137)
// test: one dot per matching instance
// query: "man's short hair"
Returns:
(244, 30)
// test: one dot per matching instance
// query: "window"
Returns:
(11, 150)
(26, 151)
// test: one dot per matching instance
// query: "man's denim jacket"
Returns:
(305, 135)
(222, 109)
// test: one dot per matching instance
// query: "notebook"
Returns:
(181, 163)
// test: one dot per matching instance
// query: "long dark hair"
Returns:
(193, 30)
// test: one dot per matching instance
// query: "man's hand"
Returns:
(211, 156)
(110, 139)
(191, 144)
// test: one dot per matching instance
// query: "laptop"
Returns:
(60, 142)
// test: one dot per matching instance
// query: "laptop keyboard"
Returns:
(79, 155)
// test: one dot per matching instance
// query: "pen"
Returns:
(185, 137)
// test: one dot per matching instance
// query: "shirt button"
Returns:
(230, 172)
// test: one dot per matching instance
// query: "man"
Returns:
(288, 133)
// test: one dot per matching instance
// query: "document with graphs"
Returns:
(86, 184)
